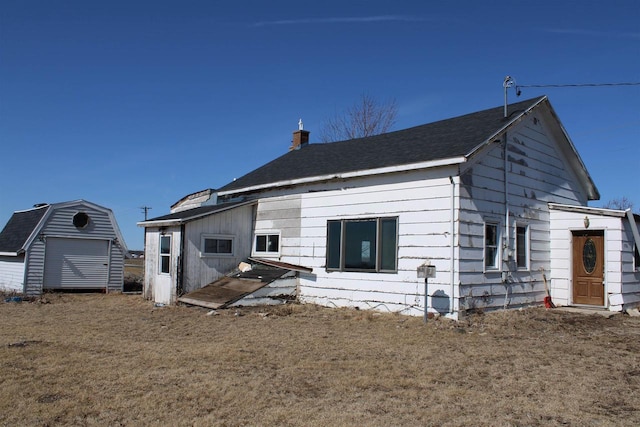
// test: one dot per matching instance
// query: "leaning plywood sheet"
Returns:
(222, 292)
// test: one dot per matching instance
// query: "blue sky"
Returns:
(138, 103)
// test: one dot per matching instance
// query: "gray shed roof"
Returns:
(181, 217)
(21, 225)
(445, 139)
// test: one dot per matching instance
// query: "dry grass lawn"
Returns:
(116, 360)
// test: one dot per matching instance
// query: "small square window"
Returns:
(267, 244)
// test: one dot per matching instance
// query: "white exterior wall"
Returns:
(12, 273)
(537, 174)
(622, 282)
(422, 202)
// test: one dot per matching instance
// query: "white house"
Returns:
(70, 245)
(479, 197)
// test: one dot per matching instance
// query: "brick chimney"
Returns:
(300, 137)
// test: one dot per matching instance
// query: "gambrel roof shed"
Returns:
(69, 245)
(445, 142)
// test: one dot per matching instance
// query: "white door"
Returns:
(76, 263)
(164, 280)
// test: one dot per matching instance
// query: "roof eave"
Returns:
(180, 221)
(347, 175)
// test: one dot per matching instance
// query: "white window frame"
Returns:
(204, 237)
(527, 247)
(162, 255)
(267, 253)
(498, 246)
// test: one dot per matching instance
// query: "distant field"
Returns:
(133, 274)
(116, 360)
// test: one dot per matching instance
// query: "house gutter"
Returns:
(347, 175)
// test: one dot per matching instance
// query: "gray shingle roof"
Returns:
(195, 213)
(444, 139)
(20, 226)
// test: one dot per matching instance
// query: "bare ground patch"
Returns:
(116, 360)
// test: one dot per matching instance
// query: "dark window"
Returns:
(217, 246)
(267, 243)
(165, 254)
(521, 247)
(636, 258)
(362, 245)
(81, 220)
(491, 246)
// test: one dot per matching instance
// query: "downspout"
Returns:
(505, 252)
(452, 229)
(180, 278)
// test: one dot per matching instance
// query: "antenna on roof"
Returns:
(508, 82)
(300, 125)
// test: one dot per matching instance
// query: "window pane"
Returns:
(491, 245)
(164, 263)
(273, 243)
(210, 246)
(261, 243)
(521, 246)
(388, 244)
(334, 230)
(224, 246)
(360, 245)
(165, 244)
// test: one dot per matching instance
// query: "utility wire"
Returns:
(585, 85)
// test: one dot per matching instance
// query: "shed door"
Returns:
(76, 263)
(588, 268)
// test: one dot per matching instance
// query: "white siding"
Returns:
(537, 173)
(12, 273)
(622, 283)
(422, 202)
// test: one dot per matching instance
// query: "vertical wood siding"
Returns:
(202, 270)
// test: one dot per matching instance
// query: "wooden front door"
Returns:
(588, 268)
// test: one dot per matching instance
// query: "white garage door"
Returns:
(76, 263)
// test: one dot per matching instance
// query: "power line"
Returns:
(583, 85)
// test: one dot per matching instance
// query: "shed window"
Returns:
(267, 244)
(217, 245)
(522, 247)
(636, 258)
(362, 245)
(81, 220)
(491, 239)
(165, 254)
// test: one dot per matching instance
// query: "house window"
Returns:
(522, 247)
(267, 244)
(217, 245)
(165, 254)
(362, 245)
(491, 240)
(636, 258)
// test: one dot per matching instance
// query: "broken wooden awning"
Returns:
(238, 284)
